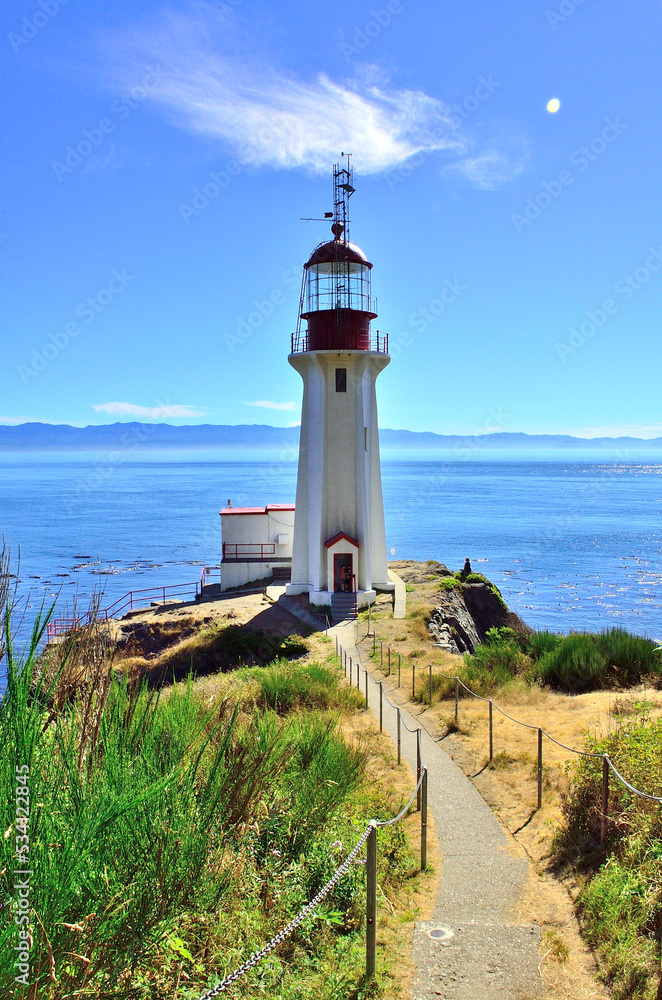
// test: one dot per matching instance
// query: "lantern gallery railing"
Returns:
(378, 342)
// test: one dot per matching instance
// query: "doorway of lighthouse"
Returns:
(343, 572)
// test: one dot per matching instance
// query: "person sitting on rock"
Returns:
(466, 569)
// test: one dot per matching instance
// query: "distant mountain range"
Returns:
(135, 436)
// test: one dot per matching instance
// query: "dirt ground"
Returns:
(508, 785)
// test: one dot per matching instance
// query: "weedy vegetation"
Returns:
(173, 832)
(620, 900)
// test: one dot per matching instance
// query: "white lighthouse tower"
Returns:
(339, 548)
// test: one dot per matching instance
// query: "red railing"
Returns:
(378, 342)
(60, 626)
(240, 551)
(207, 572)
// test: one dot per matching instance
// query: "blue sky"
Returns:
(158, 158)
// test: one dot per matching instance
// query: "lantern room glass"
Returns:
(338, 284)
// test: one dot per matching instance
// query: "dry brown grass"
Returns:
(509, 785)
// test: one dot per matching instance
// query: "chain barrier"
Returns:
(390, 822)
(258, 956)
(373, 825)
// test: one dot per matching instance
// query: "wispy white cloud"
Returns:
(620, 430)
(150, 412)
(269, 117)
(495, 161)
(266, 404)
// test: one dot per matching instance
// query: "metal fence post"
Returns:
(358, 676)
(605, 801)
(389, 661)
(399, 751)
(491, 733)
(424, 820)
(381, 655)
(381, 710)
(430, 686)
(413, 681)
(399, 665)
(457, 697)
(371, 905)
(540, 769)
(366, 688)
(418, 767)
(374, 642)
(350, 672)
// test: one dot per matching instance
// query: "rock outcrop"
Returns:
(464, 614)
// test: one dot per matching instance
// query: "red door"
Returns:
(343, 563)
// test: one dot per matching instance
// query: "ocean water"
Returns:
(574, 543)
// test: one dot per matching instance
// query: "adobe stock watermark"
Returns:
(495, 421)
(581, 159)
(22, 873)
(201, 196)
(595, 319)
(565, 10)
(425, 316)
(131, 441)
(224, 7)
(373, 27)
(31, 26)
(87, 311)
(92, 138)
(262, 310)
(483, 90)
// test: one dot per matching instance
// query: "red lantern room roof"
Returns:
(338, 250)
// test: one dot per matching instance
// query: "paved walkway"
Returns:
(400, 596)
(478, 952)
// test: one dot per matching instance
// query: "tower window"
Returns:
(341, 380)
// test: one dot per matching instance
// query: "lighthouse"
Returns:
(339, 543)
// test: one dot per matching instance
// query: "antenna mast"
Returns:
(343, 189)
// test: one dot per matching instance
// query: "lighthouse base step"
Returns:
(343, 606)
(323, 598)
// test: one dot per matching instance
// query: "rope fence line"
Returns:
(607, 763)
(368, 837)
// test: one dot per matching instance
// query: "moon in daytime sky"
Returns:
(553, 105)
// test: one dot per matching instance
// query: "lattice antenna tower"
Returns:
(343, 189)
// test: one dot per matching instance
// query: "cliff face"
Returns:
(463, 615)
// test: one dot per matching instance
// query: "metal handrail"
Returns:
(60, 626)
(378, 343)
(234, 550)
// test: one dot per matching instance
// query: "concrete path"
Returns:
(400, 595)
(476, 952)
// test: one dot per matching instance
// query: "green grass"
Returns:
(620, 902)
(285, 686)
(591, 661)
(573, 663)
(171, 836)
